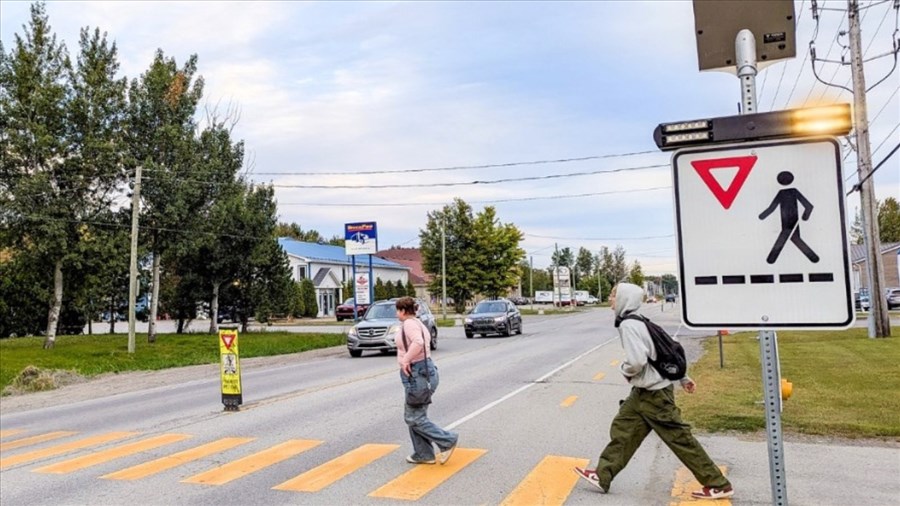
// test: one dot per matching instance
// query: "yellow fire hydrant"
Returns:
(787, 388)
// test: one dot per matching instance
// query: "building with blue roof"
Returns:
(329, 268)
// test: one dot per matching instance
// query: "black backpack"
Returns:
(670, 361)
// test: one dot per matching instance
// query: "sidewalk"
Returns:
(817, 472)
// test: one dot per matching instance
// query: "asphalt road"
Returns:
(527, 408)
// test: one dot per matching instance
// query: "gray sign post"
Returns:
(769, 32)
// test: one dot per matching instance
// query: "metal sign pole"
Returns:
(745, 51)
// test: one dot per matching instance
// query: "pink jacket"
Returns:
(419, 339)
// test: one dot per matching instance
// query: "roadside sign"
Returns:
(361, 289)
(230, 370)
(360, 238)
(762, 239)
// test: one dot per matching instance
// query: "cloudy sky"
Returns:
(354, 87)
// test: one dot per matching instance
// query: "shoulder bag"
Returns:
(416, 395)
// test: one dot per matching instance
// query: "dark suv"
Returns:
(379, 329)
(493, 317)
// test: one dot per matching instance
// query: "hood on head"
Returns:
(628, 298)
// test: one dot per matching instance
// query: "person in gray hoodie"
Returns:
(649, 407)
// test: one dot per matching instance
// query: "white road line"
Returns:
(525, 387)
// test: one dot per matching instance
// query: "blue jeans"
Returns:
(423, 431)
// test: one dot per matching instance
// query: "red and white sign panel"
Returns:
(762, 238)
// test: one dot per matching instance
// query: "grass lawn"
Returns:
(92, 355)
(844, 384)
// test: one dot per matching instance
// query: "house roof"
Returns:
(858, 251)
(411, 258)
(330, 254)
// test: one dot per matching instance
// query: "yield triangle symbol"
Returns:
(725, 196)
(228, 339)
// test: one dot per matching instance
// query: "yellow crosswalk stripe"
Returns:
(33, 440)
(252, 463)
(10, 432)
(320, 477)
(614, 363)
(599, 376)
(685, 484)
(421, 479)
(92, 459)
(63, 448)
(568, 401)
(177, 459)
(550, 482)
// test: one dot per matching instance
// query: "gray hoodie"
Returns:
(636, 341)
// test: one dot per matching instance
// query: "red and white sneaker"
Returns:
(713, 493)
(590, 476)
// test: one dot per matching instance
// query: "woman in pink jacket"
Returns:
(416, 371)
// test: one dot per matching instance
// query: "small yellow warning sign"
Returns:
(230, 368)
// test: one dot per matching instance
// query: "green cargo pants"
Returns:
(646, 410)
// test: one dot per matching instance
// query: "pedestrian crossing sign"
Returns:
(762, 239)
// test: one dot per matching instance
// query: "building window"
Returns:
(344, 274)
(301, 272)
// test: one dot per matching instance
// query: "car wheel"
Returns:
(434, 338)
(340, 319)
(469, 335)
(519, 329)
(508, 331)
(355, 353)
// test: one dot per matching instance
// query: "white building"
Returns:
(329, 268)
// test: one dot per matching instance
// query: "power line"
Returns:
(452, 168)
(886, 139)
(649, 237)
(496, 201)
(461, 183)
(886, 103)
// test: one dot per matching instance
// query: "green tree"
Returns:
(889, 220)
(636, 274)
(61, 147)
(310, 303)
(670, 283)
(584, 266)
(381, 292)
(390, 291)
(457, 221)
(496, 254)
(161, 125)
(410, 289)
(296, 306)
(619, 266)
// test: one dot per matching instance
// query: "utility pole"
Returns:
(556, 281)
(877, 311)
(132, 282)
(443, 269)
(531, 279)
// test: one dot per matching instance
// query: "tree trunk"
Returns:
(180, 328)
(112, 314)
(55, 307)
(154, 301)
(244, 322)
(90, 320)
(214, 309)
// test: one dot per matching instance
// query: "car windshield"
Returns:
(348, 302)
(490, 307)
(381, 311)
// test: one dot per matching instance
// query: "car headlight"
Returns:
(393, 329)
(468, 320)
(353, 332)
(500, 319)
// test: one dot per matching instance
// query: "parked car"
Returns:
(520, 301)
(493, 317)
(345, 310)
(862, 300)
(379, 329)
(670, 297)
(893, 298)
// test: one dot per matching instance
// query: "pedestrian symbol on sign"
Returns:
(788, 199)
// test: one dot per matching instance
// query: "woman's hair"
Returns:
(407, 305)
